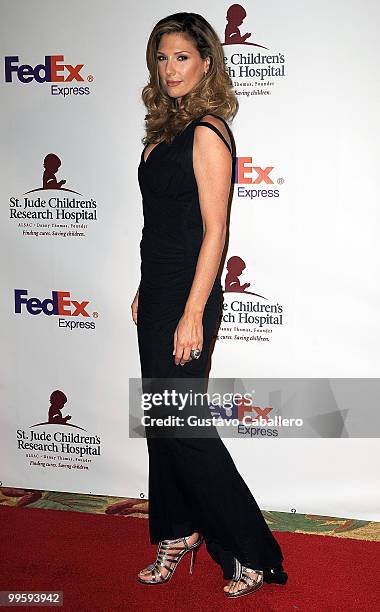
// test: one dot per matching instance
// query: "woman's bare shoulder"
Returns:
(219, 124)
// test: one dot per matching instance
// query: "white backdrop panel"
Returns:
(312, 250)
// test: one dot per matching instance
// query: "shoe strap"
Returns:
(168, 543)
(237, 570)
(162, 558)
(241, 572)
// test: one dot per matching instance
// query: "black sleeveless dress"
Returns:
(194, 484)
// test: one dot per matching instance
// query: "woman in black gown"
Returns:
(196, 493)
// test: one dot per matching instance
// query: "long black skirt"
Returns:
(194, 484)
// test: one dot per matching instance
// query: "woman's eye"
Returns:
(160, 57)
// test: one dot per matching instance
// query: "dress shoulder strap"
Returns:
(200, 121)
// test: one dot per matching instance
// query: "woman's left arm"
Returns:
(212, 170)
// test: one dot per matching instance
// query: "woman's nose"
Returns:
(169, 69)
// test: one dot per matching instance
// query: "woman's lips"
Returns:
(173, 83)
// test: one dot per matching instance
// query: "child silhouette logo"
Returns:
(55, 417)
(57, 401)
(51, 165)
(235, 267)
(232, 35)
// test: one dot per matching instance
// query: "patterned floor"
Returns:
(277, 521)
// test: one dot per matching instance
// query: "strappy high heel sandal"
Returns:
(245, 575)
(169, 560)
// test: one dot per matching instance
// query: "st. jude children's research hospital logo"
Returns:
(65, 448)
(248, 320)
(53, 209)
(71, 313)
(251, 66)
(253, 72)
(65, 79)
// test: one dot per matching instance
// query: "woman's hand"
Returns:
(187, 336)
(134, 307)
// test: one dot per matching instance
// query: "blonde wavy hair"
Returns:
(214, 93)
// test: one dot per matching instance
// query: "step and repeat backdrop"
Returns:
(301, 303)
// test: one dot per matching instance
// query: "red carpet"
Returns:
(94, 559)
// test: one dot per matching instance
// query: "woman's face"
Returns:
(180, 66)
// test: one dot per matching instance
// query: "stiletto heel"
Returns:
(193, 557)
(169, 560)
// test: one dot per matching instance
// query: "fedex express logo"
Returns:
(246, 171)
(60, 304)
(54, 69)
